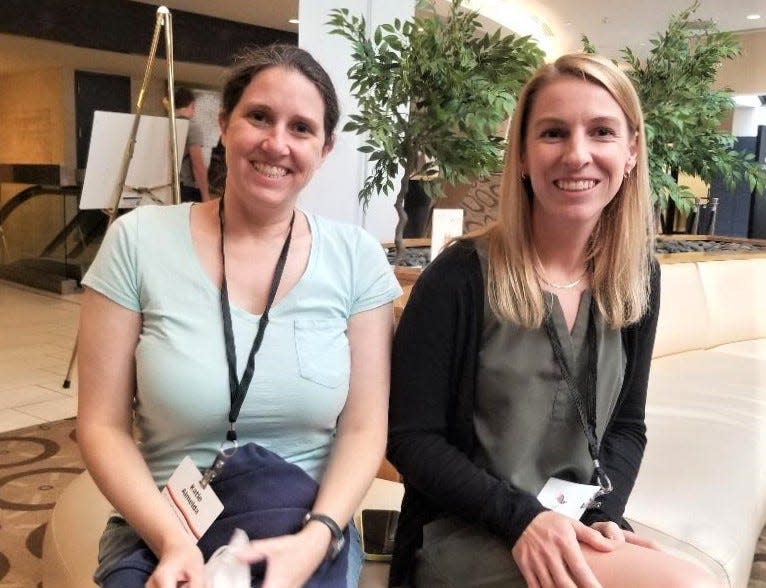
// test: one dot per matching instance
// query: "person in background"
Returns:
(174, 289)
(193, 172)
(522, 358)
(216, 171)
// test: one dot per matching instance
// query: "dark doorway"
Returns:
(93, 92)
(758, 201)
(733, 216)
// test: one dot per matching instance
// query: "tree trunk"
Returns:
(669, 219)
(399, 206)
(670, 211)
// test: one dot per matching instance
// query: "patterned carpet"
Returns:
(38, 462)
(758, 573)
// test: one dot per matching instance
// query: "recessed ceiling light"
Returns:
(293, 21)
(753, 16)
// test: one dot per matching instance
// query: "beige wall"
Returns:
(69, 126)
(33, 117)
(747, 73)
(155, 91)
(37, 115)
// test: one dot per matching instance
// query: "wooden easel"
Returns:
(163, 19)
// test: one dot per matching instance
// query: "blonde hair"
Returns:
(621, 246)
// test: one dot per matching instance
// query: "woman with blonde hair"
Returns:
(520, 364)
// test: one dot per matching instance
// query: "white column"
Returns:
(333, 190)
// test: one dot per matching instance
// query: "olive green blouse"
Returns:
(526, 423)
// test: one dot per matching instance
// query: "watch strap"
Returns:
(338, 539)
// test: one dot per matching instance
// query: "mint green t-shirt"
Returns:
(147, 264)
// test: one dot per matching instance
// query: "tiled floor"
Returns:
(37, 334)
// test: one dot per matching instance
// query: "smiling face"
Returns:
(274, 138)
(577, 149)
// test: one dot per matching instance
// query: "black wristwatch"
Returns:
(338, 539)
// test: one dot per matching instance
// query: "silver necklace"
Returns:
(568, 286)
(538, 265)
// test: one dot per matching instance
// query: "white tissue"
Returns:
(224, 569)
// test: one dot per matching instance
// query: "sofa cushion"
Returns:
(682, 549)
(712, 385)
(70, 547)
(755, 349)
(735, 293)
(683, 320)
(703, 478)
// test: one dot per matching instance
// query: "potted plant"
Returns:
(432, 93)
(683, 111)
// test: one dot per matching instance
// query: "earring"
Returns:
(523, 176)
(627, 173)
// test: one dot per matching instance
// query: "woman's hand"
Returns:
(180, 563)
(548, 552)
(290, 559)
(612, 531)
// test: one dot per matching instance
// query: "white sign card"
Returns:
(446, 224)
(150, 173)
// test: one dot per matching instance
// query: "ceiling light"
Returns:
(520, 21)
(753, 16)
(293, 21)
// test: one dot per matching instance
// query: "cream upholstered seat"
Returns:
(70, 547)
(701, 490)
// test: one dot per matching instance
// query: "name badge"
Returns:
(196, 506)
(567, 498)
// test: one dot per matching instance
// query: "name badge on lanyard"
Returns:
(195, 504)
(568, 498)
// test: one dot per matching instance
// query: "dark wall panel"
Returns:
(733, 204)
(758, 204)
(127, 27)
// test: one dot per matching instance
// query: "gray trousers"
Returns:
(458, 555)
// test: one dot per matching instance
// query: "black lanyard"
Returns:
(238, 388)
(585, 403)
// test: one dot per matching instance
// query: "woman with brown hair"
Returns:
(239, 327)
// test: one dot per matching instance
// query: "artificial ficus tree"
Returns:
(683, 110)
(432, 92)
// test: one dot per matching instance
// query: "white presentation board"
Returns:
(150, 173)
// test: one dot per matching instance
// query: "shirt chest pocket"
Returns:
(323, 351)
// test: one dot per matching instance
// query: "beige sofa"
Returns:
(701, 491)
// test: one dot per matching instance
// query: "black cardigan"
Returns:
(431, 438)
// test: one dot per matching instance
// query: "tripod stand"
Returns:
(163, 19)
